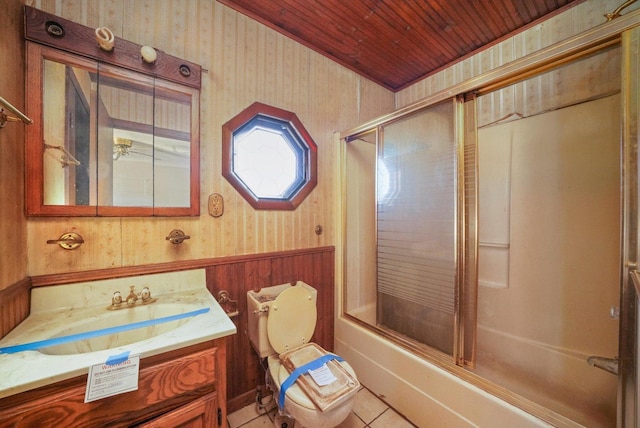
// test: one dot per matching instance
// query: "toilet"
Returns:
(314, 387)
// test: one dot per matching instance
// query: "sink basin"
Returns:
(111, 329)
(69, 328)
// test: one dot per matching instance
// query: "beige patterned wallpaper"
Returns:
(244, 62)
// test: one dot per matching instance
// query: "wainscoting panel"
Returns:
(15, 301)
(236, 275)
(316, 268)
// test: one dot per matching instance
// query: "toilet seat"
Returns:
(282, 321)
(279, 374)
(300, 407)
(292, 319)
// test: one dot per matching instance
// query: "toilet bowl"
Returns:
(282, 320)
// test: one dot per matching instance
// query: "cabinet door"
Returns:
(201, 413)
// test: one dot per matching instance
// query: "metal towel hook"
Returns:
(4, 118)
(176, 236)
(68, 241)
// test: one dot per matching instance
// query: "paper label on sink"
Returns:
(105, 380)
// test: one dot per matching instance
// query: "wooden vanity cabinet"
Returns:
(185, 388)
(200, 413)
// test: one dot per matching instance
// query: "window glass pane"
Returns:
(265, 162)
(269, 157)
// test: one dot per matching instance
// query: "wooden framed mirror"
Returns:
(114, 135)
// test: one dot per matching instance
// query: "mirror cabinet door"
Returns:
(125, 111)
(60, 164)
(112, 142)
(175, 125)
(66, 92)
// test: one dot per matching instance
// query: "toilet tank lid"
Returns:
(292, 319)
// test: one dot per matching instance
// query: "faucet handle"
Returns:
(145, 294)
(116, 299)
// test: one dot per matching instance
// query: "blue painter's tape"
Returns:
(32, 346)
(117, 359)
(312, 365)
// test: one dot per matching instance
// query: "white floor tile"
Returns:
(368, 411)
(352, 421)
(368, 406)
(242, 416)
(390, 419)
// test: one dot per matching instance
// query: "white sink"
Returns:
(70, 328)
(112, 329)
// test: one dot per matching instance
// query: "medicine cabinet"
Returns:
(113, 135)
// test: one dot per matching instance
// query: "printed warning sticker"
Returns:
(113, 377)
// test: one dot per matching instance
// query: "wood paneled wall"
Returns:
(315, 267)
(13, 225)
(15, 302)
(243, 62)
(236, 275)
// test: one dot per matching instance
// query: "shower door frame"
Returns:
(629, 347)
(622, 31)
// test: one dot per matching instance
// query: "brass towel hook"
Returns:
(176, 236)
(616, 13)
(4, 118)
(68, 241)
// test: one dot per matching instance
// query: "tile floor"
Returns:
(368, 412)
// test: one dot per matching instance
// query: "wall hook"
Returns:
(176, 236)
(229, 306)
(4, 118)
(68, 241)
(616, 13)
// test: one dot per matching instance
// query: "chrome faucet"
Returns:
(133, 299)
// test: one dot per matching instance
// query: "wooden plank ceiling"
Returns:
(398, 42)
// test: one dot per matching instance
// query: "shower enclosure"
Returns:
(492, 237)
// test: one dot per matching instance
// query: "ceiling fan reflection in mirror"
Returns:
(121, 147)
(127, 145)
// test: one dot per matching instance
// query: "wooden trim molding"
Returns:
(121, 272)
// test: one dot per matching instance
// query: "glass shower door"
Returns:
(549, 238)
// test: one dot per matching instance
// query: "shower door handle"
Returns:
(611, 364)
(607, 364)
(635, 278)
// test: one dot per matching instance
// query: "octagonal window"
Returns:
(269, 157)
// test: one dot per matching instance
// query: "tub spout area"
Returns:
(607, 364)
